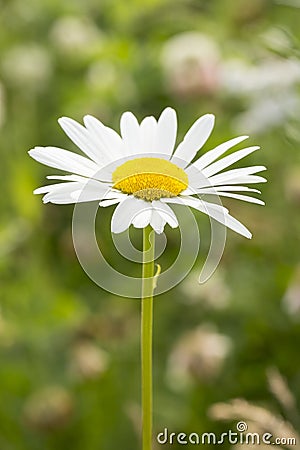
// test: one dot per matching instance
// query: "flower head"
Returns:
(141, 173)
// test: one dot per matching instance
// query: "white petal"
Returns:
(105, 173)
(216, 152)
(64, 160)
(67, 178)
(126, 211)
(243, 179)
(228, 188)
(143, 219)
(227, 161)
(81, 181)
(216, 189)
(233, 176)
(148, 130)
(242, 171)
(82, 138)
(166, 132)
(92, 191)
(194, 139)
(219, 215)
(113, 201)
(59, 193)
(168, 219)
(108, 140)
(130, 131)
(53, 187)
(157, 222)
(197, 180)
(166, 213)
(185, 199)
(74, 192)
(245, 198)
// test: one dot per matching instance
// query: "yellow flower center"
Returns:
(150, 178)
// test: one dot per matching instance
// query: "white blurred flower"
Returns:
(27, 65)
(277, 40)
(102, 75)
(291, 298)
(75, 35)
(88, 361)
(199, 354)
(2, 105)
(292, 185)
(48, 408)
(214, 292)
(269, 88)
(191, 63)
(293, 3)
(240, 78)
(268, 111)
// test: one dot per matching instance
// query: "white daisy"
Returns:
(141, 173)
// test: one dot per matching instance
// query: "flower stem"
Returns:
(146, 334)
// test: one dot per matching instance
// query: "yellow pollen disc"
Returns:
(150, 178)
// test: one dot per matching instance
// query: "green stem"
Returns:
(146, 334)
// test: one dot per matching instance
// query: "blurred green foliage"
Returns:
(69, 374)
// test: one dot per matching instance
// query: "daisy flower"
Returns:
(140, 171)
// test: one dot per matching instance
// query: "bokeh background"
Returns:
(69, 371)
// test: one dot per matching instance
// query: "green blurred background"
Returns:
(69, 352)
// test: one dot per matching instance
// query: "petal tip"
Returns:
(33, 150)
(88, 117)
(211, 117)
(168, 110)
(62, 120)
(127, 114)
